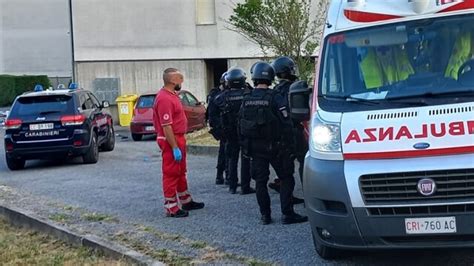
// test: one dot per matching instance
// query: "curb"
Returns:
(203, 150)
(29, 220)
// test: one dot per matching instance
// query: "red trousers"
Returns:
(175, 184)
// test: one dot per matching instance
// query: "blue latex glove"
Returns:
(177, 154)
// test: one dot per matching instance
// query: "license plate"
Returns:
(150, 128)
(42, 126)
(435, 225)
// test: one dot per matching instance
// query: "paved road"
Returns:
(126, 183)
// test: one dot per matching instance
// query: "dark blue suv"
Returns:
(56, 125)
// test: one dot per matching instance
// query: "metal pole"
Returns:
(71, 32)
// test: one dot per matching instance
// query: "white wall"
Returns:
(144, 76)
(34, 38)
(109, 30)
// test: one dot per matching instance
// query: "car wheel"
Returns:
(15, 164)
(92, 155)
(326, 252)
(137, 137)
(110, 144)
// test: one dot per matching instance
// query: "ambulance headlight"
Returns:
(325, 136)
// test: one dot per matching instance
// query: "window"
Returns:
(96, 102)
(146, 101)
(26, 106)
(184, 99)
(86, 102)
(191, 99)
(205, 12)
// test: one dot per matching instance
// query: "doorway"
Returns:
(214, 69)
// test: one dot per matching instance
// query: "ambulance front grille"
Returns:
(401, 188)
(398, 115)
(421, 210)
(452, 110)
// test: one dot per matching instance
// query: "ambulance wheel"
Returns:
(325, 252)
(15, 164)
(137, 137)
(110, 144)
(92, 155)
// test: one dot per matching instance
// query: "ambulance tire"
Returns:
(92, 154)
(137, 137)
(327, 253)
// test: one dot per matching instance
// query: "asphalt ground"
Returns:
(126, 184)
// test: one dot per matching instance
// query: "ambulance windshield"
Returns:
(402, 60)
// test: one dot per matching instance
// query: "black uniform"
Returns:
(263, 121)
(301, 145)
(229, 103)
(212, 115)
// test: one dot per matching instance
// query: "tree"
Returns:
(282, 27)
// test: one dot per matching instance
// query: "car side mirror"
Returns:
(299, 98)
(199, 103)
(105, 104)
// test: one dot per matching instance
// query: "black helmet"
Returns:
(285, 67)
(222, 80)
(253, 66)
(263, 73)
(236, 78)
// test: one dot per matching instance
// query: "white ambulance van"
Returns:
(391, 158)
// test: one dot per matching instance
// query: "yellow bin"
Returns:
(125, 105)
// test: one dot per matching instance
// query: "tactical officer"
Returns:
(212, 115)
(229, 103)
(265, 125)
(287, 72)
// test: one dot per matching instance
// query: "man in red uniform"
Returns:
(171, 125)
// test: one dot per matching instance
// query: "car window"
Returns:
(86, 101)
(191, 99)
(146, 101)
(94, 100)
(184, 99)
(25, 106)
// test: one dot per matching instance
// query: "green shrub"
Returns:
(12, 86)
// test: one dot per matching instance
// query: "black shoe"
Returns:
(220, 181)
(275, 186)
(295, 200)
(233, 190)
(178, 214)
(192, 206)
(247, 191)
(266, 219)
(294, 219)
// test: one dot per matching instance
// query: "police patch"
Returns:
(166, 116)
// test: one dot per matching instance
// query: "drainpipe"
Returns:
(71, 32)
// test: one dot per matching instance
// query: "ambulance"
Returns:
(391, 135)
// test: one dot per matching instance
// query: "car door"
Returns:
(198, 112)
(187, 109)
(102, 117)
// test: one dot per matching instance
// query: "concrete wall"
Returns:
(110, 30)
(144, 76)
(34, 38)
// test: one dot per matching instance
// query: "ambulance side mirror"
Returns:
(300, 101)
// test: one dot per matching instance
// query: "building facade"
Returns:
(123, 46)
(35, 39)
